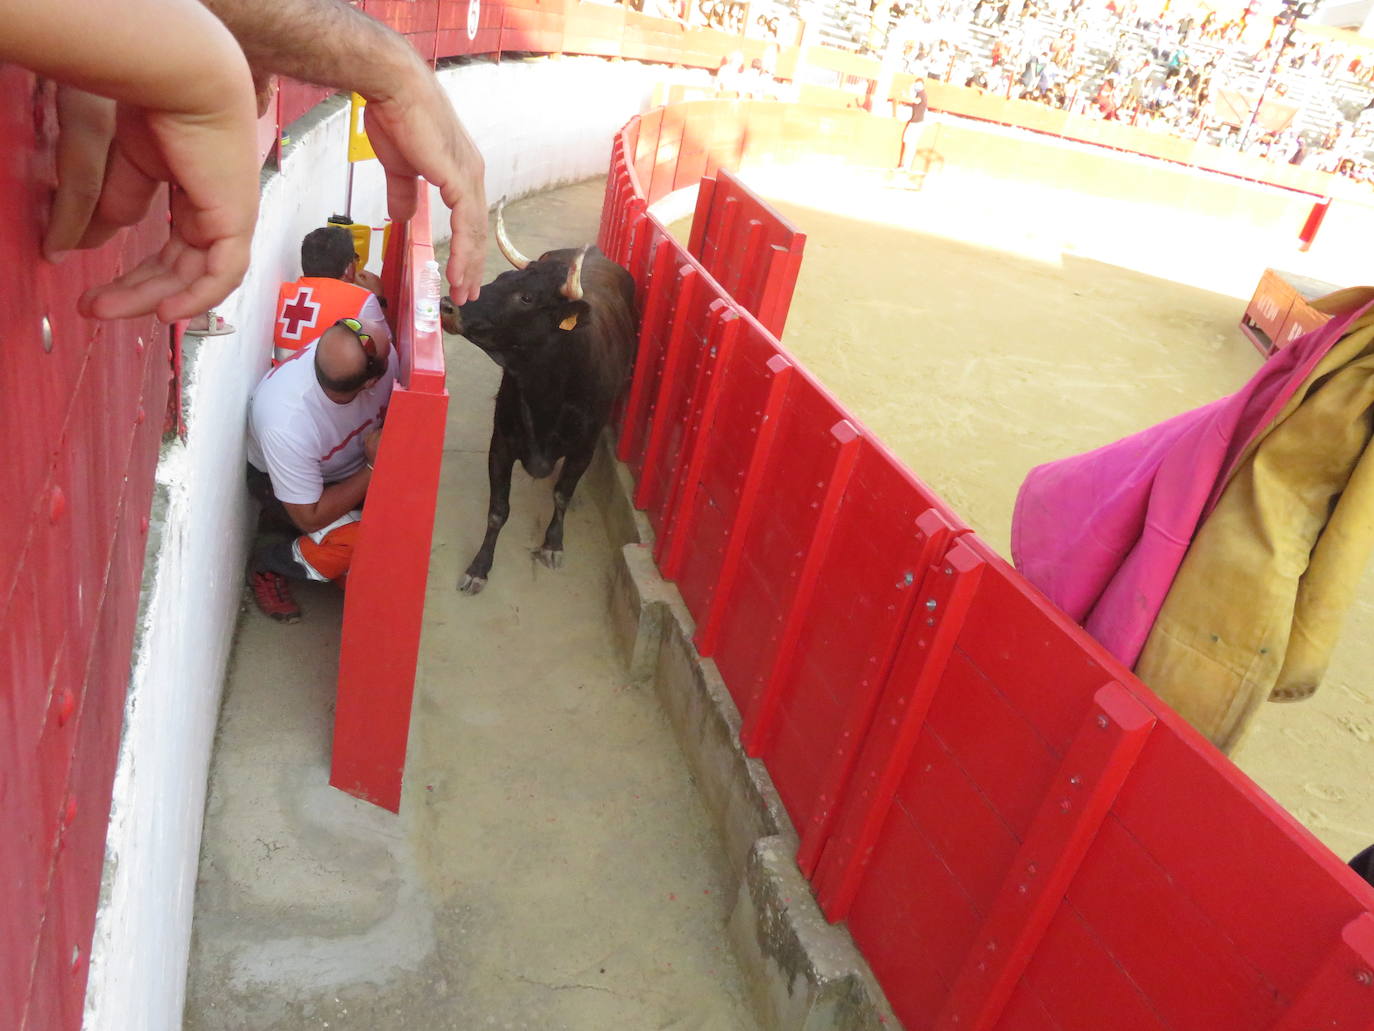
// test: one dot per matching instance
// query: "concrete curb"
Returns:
(804, 973)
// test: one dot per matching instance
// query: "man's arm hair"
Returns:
(327, 42)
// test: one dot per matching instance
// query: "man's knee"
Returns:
(327, 555)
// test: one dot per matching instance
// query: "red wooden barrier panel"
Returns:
(747, 246)
(532, 26)
(384, 601)
(468, 27)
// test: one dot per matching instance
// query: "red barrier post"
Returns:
(760, 720)
(672, 543)
(1342, 985)
(943, 603)
(1090, 776)
(709, 632)
(934, 532)
(656, 305)
(685, 291)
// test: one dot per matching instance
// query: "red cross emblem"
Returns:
(298, 313)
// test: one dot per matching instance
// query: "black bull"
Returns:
(562, 329)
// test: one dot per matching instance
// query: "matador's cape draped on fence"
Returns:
(1218, 551)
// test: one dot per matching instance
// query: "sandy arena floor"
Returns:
(982, 328)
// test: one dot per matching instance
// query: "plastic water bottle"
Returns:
(427, 303)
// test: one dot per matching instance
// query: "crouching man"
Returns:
(314, 424)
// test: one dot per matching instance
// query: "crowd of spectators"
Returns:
(1174, 72)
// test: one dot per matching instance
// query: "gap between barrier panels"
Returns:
(997, 809)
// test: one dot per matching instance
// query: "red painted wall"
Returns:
(81, 420)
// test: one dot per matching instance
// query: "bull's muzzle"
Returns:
(450, 316)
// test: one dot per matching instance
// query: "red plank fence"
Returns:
(384, 603)
(747, 246)
(1017, 833)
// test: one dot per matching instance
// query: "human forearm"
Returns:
(337, 500)
(164, 56)
(327, 42)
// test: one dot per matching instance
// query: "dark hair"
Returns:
(327, 252)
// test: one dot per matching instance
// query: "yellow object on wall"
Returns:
(359, 146)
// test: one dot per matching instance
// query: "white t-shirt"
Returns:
(301, 438)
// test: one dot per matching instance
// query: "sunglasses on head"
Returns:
(374, 364)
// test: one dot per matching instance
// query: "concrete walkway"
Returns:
(552, 866)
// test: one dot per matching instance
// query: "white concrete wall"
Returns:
(538, 123)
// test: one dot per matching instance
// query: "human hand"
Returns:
(368, 281)
(210, 162)
(370, 445)
(180, 111)
(86, 128)
(416, 132)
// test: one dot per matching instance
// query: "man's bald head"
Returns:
(341, 364)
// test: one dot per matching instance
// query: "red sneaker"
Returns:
(272, 593)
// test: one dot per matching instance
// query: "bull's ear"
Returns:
(573, 312)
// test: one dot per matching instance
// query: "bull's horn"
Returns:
(503, 241)
(572, 287)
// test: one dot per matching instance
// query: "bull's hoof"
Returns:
(551, 557)
(470, 584)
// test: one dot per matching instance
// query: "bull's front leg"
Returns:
(551, 554)
(500, 461)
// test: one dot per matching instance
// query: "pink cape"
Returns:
(1102, 534)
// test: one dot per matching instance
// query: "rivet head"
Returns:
(138, 346)
(76, 957)
(1021, 889)
(1031, 869)
(1075, 780)
(1064, 804)
(1364, 977)
(908, 579)
(46, 328)
(1102, 722)
(932, 604)
(57, 504)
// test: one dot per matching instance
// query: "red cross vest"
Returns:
(309, 306)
